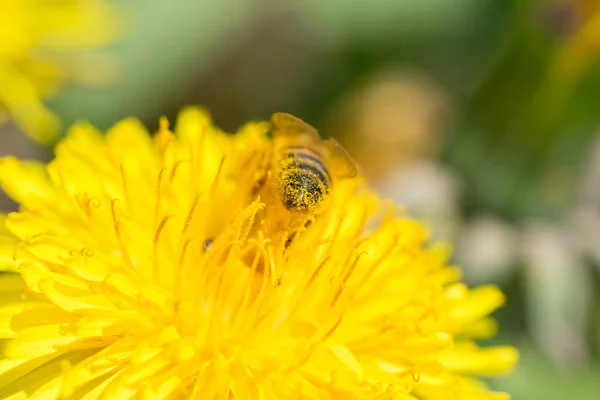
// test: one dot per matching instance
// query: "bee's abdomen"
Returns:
(303, 179)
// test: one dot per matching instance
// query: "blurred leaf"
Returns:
(535, 378)
(376, 20)
(519, 146)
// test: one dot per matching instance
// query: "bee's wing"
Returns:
(287, 125)
(345, 166)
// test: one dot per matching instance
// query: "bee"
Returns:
(303, 166)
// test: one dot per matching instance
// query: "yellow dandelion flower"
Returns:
(41, 46)
(148, 267)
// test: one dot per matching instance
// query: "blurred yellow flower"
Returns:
(147, 266)
(43, 44)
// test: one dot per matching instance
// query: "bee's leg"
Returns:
(263, 173)
(297, 226)
(288, 240)
(309, 221)
(259, 183)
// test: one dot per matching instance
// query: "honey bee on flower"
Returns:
(296, 174)
(300, 168)
(153, 270)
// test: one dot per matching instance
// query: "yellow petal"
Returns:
(481, 329)
(36, 342)
(73, 295)
(23, 101)
(346, 357)
(12, 288)
(43, 381)
(102, 364)
(26, 182)
(192, 123)
(459, 389)
(12, 370)
(7, 253)
(83, 139)
(32, 314)
(469, 359)
(476, 304)
(81, 25)
(139, 169)
(4, 231)
(17, 396)
(7, 314)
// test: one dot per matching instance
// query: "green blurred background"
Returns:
(480, 115)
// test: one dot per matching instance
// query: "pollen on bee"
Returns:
(300, 191)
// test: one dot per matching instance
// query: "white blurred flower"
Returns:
(585, 230)
(585, 220)
(487, 249)
(558, 293)
(429, 191)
